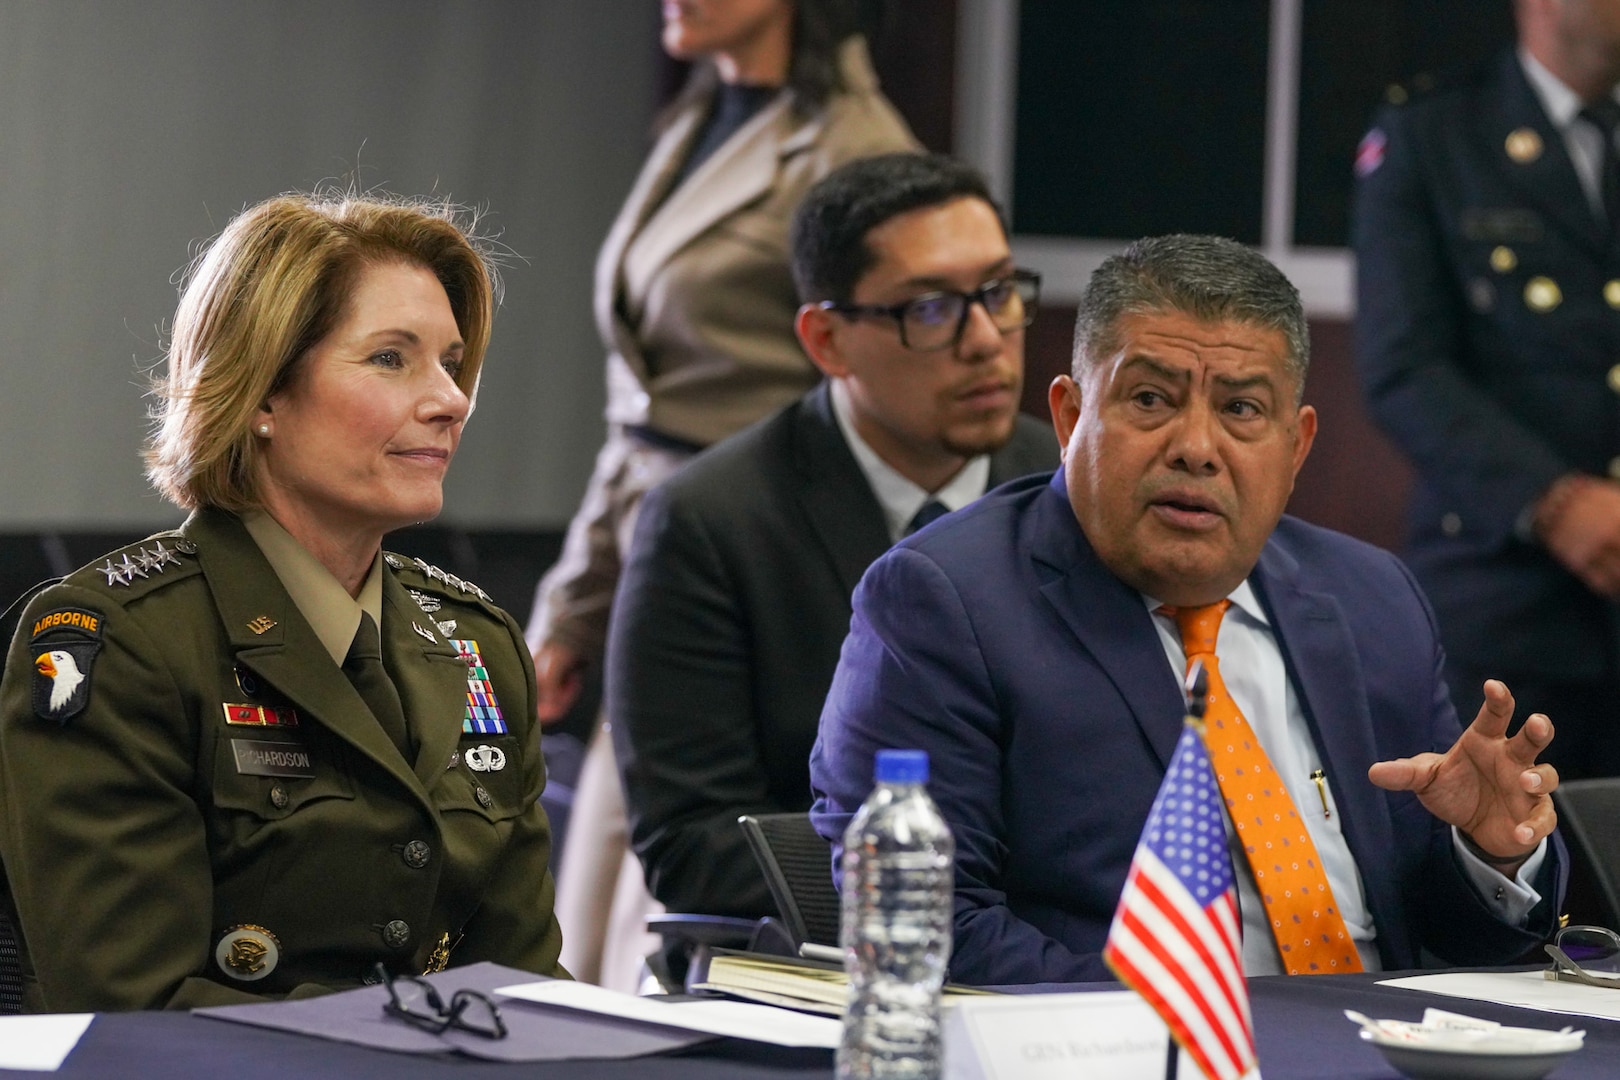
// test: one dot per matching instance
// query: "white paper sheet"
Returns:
(40, 1043)
(735, 1019)
(1524, 988)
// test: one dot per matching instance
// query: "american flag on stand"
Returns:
(1175, 938)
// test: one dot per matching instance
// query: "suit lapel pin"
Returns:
(1523, 145)
(447, 628)
(260, 624)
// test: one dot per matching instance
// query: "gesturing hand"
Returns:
(1487, 784)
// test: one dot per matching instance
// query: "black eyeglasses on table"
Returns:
(415, 1000)
(1586, 954)
(935, 320)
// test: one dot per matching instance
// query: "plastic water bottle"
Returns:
(896, 935)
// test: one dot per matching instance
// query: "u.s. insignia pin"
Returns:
(247, 952)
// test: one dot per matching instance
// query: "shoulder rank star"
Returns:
(451, 580)
(145, 562)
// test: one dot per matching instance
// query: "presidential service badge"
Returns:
(64, 644)
(247, 952)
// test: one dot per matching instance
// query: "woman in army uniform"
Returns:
(252, 757)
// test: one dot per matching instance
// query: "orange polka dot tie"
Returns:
(1305, 919)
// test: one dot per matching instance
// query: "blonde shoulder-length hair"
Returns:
(274, 283)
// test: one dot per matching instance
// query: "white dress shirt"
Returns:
(899, 497)
(1583, 141)
(1252, 667)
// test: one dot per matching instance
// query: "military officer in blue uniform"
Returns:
(254, 757)
(1487, 236)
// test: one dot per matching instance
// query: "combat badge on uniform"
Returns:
(64, 644)
(483, 710)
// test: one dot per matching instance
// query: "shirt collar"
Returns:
(899, 497)
(1559, 102)
(331, 612)
(1242, 598)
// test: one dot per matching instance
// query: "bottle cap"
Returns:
(901, 767)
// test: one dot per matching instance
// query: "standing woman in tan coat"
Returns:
(695, 305)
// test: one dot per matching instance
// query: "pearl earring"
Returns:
(264, 429)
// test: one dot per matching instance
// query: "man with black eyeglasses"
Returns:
(736, 595)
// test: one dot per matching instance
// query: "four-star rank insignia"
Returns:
(64, 644)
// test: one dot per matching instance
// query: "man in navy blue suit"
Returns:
(1028, 644)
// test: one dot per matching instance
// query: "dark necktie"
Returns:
(364, 668)
(1605, 116)
(931, 511)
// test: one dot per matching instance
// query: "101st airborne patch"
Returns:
(64, 644)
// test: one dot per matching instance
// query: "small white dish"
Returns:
(1450, 1046)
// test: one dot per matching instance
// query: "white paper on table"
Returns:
(734, 1019)
(40, 1043)
(1527, 989)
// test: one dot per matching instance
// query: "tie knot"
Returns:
(1603, 115)
(930, 512)
(1199, 626)
(367, 643)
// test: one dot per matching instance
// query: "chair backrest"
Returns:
(1589, 817)
(11, 977)
(797, 864)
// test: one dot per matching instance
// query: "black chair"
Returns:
(1589, 817)
(11, 977)
(797, 864)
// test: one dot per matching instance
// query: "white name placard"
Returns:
(1054, 1037)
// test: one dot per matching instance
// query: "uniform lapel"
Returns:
(286, 654)
(834, 493)
(430, 675)
(1109, 619)
(1324, 666)
(1548, 182)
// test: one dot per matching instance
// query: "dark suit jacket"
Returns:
(1034, 678)
(1490, 398)
(725, 635)
(137, 843)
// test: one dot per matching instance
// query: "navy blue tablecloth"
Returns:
(1299, 1025)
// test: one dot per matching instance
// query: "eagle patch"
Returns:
(64, 644)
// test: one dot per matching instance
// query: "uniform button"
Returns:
(1451, 524)
(1614, 468)
(1503, 259)
(278, 796)
(1542, 294)
(483, 798)
(416, 854)
(1611, 292)
(397, 934)
(1614, 378)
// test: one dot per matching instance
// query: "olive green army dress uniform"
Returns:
(197, 805)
